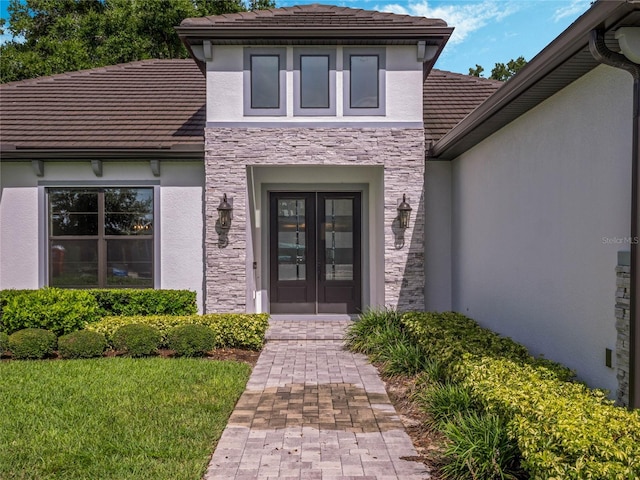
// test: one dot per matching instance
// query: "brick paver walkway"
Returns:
(313, 410)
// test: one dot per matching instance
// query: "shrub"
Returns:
(32, 343)
(237, 330)
(433, 372)
(448, 336)
(374, 330)
(82, 344)
(191, 340)
(137, 340)
(563, 429)
(55, 309)
(446, 402)
(132, 302)
(5, 297)
(480, 448)
(402, 358)
(4, 343)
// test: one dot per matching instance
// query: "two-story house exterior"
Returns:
(314, 128)
(268, 174)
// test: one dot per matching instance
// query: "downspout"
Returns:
(603, 55)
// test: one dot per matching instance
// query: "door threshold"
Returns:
(320, 317)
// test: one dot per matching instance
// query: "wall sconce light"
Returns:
(404, 212)
(225, 209)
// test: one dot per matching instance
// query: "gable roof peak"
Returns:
(304, 16)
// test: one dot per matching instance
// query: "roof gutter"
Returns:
(603, 55)
(572, 41)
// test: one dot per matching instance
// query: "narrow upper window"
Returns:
(314, 82)
(100, 237)
(364, 74)
(364, 88)
(264, 81)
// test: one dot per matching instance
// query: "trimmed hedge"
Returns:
(137, 340)
(448, 336)
(132, 302)
(64, 310)
(233, 330)
(32, 343)
(55, 309)
(4, 343)
(82, 344)
(191, 340)
(563, 429)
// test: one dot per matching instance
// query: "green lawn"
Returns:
(114, 418)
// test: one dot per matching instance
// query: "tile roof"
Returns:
(306, 16)
(155, 104)
(146, 104)
(450, 97)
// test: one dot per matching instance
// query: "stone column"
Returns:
(225, 252)
(623, 291)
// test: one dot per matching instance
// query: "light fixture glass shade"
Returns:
(404, 212)
(224, 212)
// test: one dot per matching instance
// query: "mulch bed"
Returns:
(237, 354)
(428, 443)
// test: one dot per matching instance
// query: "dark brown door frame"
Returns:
(314, 294)
(333, 295)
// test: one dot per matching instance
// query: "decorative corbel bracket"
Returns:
(155, 167)
(96, 166)
(38, 167)
(426, 52)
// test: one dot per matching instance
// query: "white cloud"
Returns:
(466, 18)
(573, 9)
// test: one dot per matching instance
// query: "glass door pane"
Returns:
(292, 248)
(338, 238)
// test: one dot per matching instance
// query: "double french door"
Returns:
(315, 252)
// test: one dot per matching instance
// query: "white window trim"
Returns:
(267, 112)
(382, 73)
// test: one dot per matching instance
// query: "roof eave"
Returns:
(571, 42)
(175, 152)
(287, 33)
(194, 35)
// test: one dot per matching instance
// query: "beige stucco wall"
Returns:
(540, 210)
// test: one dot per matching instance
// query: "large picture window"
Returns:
(100, 237)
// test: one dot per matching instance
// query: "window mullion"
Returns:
(102, 242)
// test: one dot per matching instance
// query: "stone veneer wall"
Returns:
(228, 151)
(623, 292)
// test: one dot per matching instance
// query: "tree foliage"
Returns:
(476, 72)
(501, 71)
(55, 36)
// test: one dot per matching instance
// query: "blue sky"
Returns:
(486, 31)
